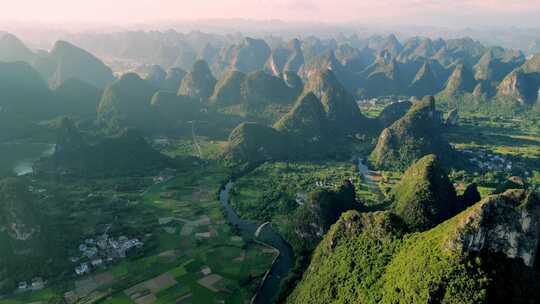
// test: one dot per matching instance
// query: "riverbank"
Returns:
(265, 277)
(370, 178)
(281, 265)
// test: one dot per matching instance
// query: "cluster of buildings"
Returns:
(325, 184)
(103, 251)
(37, 283)
(321, 184)
(489, 161)
(33, 189)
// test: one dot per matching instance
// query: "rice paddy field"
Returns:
(191, 255)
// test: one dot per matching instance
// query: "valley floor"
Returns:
(191, 254)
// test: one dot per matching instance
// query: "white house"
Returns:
(97, 262)
(82, 269)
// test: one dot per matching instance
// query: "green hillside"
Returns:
(411, 137)
(126, 103)
(425, 196)
(365, 259)
(199, 82)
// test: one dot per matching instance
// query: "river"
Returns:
(282, 265)
(369, 177)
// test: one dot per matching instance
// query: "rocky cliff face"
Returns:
(452, 118)
(286, 59)
(508, 223)
(511, 87)
(461, 81)
(479, 90)
(523, 83)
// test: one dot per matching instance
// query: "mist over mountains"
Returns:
(522, 37)
(261, 74)
(394, 168)
(366, 65)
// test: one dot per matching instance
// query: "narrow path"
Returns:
(197, 146)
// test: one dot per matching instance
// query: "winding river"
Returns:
(282, 265)
(369, 177)
(285, 260)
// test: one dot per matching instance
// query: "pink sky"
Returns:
(446, 12)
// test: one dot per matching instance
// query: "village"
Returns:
(102, 252)
(35, 284)
(489, 161)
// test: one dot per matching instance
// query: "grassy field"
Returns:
(191, 254)
(210, 149)
(202, 239)
(508, 137)
(270, 191)
(371, 110)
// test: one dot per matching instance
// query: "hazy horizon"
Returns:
(444, 13)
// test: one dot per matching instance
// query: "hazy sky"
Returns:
(429, 12)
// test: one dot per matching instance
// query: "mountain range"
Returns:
(289, 101)
(373, 67)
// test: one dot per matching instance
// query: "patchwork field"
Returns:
(191, 254)
(196, 244)
(210, 149)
